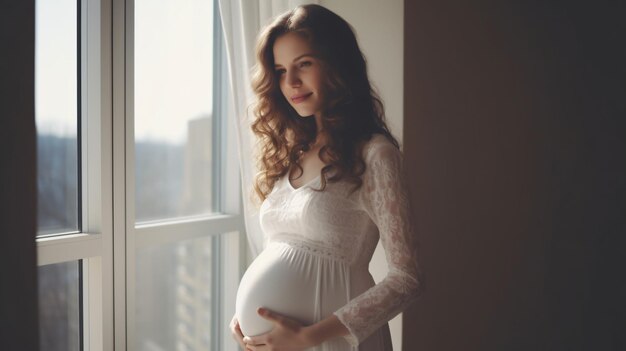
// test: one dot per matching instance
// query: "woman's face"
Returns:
(300, 74)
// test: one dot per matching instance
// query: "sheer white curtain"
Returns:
(242, 20)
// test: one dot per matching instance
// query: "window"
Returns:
(139, 220)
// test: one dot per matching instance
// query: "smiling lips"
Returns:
(299, 98)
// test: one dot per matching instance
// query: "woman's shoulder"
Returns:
(379, 146)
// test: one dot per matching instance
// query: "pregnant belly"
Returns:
(282, 280)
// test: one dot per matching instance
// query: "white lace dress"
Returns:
(318, 248)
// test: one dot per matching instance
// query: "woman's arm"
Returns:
(384, 196)
(326, 329)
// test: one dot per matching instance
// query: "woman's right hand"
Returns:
(237, 334)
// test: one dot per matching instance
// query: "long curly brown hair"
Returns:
(353, 111)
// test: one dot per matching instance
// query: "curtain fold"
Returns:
(241, 22)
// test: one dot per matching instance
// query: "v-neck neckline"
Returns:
(303, 185)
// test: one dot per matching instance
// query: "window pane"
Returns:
(56, 115)
(173, 296)
(173, 108)
(59, 307)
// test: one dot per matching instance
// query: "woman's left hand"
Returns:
(287, 335)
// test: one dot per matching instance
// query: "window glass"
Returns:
(173, 296)
(59, 307)
(174, 169)
(56, 115)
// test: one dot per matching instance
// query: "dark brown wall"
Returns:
(18, 209)
(514, 137)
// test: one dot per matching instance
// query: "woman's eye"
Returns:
(279, 72)
(305, 63)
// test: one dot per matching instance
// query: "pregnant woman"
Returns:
(331, 184)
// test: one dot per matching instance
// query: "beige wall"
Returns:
(379, 28)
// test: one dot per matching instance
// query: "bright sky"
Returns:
(173, 66)
(55, 67)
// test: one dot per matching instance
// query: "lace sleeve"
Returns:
(384, 196)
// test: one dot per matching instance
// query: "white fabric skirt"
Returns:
(305, 282)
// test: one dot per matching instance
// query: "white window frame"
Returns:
(109, 237)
